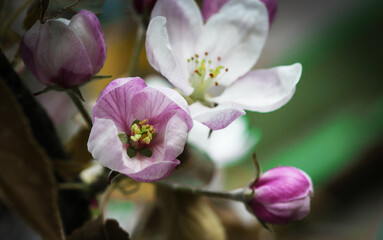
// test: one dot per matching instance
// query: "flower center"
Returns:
(204, 73)
(141, 134)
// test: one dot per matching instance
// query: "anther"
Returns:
(206, 53)
(219, 58)
(196, 55)
(192, 58)
(211, 75)
(216, 83)
(226, 69)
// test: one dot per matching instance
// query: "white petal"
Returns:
(184, 26)
(161, 56)
(237, 34)
(175, 137)
(263, 90)
(105, 146)
(225, 146)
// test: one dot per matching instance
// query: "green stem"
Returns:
(242, 195)
(76, 100)
(140, 39)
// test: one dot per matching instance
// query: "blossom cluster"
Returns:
(208, 56)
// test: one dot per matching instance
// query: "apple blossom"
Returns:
(210, 63)
(63, 52)
(210, 7)
(281, 195)
(139, 131)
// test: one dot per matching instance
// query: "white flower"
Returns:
(211, 62)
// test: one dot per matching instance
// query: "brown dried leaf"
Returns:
(26, 179)
(98, 230)
(81, 157)
(185, 216)
(52, 8)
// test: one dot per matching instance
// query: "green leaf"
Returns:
(26, 177)
(52, 8)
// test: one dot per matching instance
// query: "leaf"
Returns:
(26, 180)
(52, 8)
(196, 168)
(81, 158)
(98, 230)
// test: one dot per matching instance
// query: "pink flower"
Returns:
(281, 195)
(63, 52)
(210, 7)
(211, 63)
(139, 131)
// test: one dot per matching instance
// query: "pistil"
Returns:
(203, 75)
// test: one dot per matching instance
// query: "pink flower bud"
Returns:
(281, 195)
(63, 52)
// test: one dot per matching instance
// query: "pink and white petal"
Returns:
(224, 150)
(184, 25)
(263, 90)
(176, 98)
(115, 102)
(283, 184)
(155, 171)
(87, 27)
(175, 137)
(271, 6)
(154, 105)
(137, 83)
(62, 56)
(210, 7)
(217, 117)
(27, 45)
(237, 34)
(162, 57)
(105, 146)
